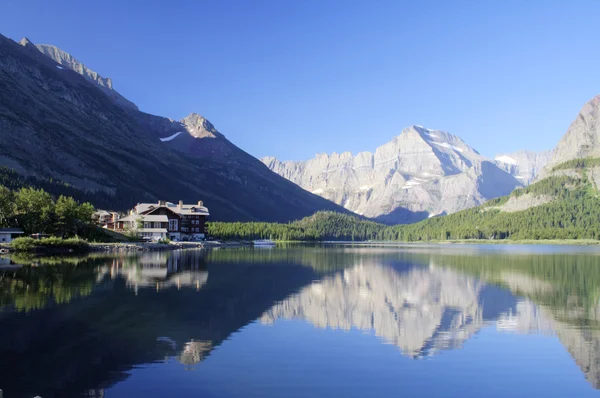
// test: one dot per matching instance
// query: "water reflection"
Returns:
(159, 270)
(422, 310)
(100, 317)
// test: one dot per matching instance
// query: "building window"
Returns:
(173, 224)
(147, 225)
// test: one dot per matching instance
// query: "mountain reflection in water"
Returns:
(79, 325)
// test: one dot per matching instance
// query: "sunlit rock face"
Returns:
(582, 139)
(420, 173)
(525, 166)
(420, 311)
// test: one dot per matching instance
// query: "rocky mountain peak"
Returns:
(199, 127)
(419, 173)
(26, 42)
(66, 60)
(583, 136)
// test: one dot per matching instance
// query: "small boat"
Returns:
(263, 242)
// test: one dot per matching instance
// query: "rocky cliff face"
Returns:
(582, 139)
(66, 60)
(525, 166)
(419, 174)
(59, 120)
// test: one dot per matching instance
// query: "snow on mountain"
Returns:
(171, 137)
(523, 165)
(506, 159)
(418, 173)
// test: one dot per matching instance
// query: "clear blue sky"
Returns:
(291, 78)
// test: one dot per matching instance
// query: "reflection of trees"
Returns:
(32, 287)
(565, 289)
(399, 295)
(99, 338)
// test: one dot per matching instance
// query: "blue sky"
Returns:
(292, 78)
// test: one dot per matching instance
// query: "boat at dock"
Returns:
(264, 242)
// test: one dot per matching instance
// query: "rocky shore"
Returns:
(145, 246)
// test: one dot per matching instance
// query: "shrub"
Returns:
(23, 244)
(53, 242)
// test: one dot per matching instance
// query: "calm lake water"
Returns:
(301, 321)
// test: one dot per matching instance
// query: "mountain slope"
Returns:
(61, 125)
(64, 59)
(582, 139)
(565, 205)
(525, 166)
(419, 173)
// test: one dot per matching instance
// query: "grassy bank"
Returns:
(49, 245)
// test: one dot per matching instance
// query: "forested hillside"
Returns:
(565, 205)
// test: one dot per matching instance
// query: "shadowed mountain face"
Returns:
(61, 120)
(420, 173)
(103, 316)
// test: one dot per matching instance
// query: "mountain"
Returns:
(420, 173)
(582, 139)
(66, 60)
(421, 311)
(563, 203)
(525, 166)
(62, 122)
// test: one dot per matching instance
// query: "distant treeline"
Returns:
(573, 212)
(325, 225)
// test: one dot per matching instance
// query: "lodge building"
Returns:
(165, 220)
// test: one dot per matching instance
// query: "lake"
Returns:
(304, 321)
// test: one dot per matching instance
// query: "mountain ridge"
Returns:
(57, 124)
(419, 173)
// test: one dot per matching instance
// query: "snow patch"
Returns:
(411, 184)
(171, 137)
(520, 177)
(506, 159)
(318, 191)
(446, 145)
(59, 67)
(365, 187)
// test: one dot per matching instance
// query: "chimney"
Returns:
(180, 206)
(200, 203)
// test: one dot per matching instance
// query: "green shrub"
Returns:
(23, 244)
(53, 242)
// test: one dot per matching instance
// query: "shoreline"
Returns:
(557, 242)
